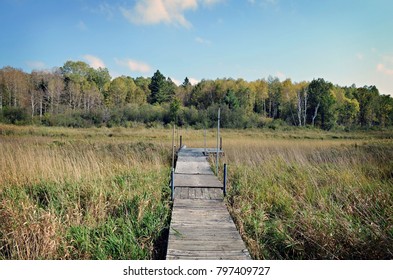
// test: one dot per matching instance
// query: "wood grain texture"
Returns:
(201, 227)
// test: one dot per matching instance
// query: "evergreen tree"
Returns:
(161, 89)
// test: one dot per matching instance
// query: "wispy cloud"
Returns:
(149, 12)
(105, 9)
(193, 81)
(202, 41)
(94, 61)
(382, 68)
(176, 81)
(386, 67)
(36, 65)
(281, 75)
(134, 65)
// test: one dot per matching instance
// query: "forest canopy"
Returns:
(77, 95)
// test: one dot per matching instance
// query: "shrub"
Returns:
(15, 115)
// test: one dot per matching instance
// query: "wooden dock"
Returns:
(201, 227)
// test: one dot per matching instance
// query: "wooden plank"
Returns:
(201, 227)
(205, 245)
(183, 159)
(203, 234)
(207, 255)
(191, 193)
(193, 167)
(200, 193)
(197, 180)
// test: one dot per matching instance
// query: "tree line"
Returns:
(78, 95)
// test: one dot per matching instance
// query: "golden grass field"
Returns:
(103, 193)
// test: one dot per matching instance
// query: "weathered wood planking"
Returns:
(201, 227)
(193, 180)
(198, 193)
(193, 167)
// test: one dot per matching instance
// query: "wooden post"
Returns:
(181, 142)
(218, 137)
(177, 137)
(172, 184)
(220, 143)
(205, 141)
(225, 179)
(173, 147)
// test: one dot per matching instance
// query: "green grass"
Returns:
(313, 200)
(83, 199)
(118, 219)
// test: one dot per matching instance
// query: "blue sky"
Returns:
(344, 42)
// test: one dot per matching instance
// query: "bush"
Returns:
(74, 119)
(15, 116)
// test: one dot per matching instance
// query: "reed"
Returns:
(67, 196)
(103, 193)
(313, 199)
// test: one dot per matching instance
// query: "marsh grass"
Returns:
(313, 199)
(67, 196)
(103, 193)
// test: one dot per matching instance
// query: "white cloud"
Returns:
(202, 41)
(193, 81)
(106, 9)
(163, 11)
(281, 75)
(94, 61)
(385, 70)
(177, 82)
(386, 67)
(133, 65)
(36, 65)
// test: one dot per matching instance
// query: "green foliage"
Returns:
(231, 100)
(162, 89)
(367, 98)
(117, 93)
(174, 109)
(348, 112)
(274, 97)
(321, 101)
(74, 119)
(14, 115)
(125, 234)
(77, 87)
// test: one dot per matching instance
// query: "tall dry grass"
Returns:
(103, 193)
(313, 199)
(94, 195)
